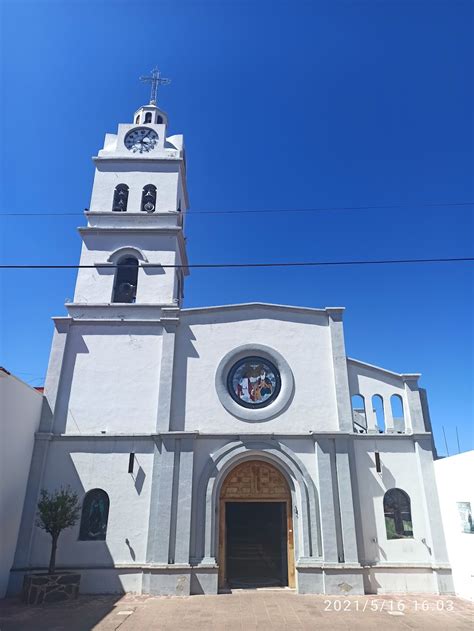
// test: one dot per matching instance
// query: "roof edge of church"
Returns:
(402, 375)
(263, 305)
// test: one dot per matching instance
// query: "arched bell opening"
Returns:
(256, 544)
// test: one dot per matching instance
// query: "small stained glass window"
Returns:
(397, 510)
(95, 514)
(254, 382)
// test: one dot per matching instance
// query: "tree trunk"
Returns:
(52, 560)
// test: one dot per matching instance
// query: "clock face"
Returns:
(141, 140)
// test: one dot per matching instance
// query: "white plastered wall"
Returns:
(304, 342)
(399, 470)
(110, 379)
(454, 478)
(84, 465)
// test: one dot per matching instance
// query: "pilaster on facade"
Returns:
(344, 455)
(344, 409)
(53, 375)
(169, 530)
(330, 537)
(426, 473)
(415, 407)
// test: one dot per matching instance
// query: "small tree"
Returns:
(56, 511)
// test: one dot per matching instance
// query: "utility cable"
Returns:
(248, 265)
(191, 213)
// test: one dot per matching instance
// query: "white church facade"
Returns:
(217, 447)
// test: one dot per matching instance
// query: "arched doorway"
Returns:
(255, 528)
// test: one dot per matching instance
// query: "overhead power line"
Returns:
(241, 265)
(264, 210)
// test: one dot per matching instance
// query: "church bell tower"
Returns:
(133, 258)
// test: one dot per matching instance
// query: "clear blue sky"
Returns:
(283, 105)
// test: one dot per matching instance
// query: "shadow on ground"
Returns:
(79, 615)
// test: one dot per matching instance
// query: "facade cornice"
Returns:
(131, 213)
(121, 313)
(154, 219)
(408, 566)
(227, 436)
(173, 156)
(117, 321)
(262, 305)
(302, 563)
(140, 229)
(123, 305)
(177, 567)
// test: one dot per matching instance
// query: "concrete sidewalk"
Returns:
(243, 610)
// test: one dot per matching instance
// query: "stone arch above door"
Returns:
(221, 462)
(255, 480)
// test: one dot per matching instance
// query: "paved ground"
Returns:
(243, 610)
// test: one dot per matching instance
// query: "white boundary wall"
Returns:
(20, 410)
(454, 476)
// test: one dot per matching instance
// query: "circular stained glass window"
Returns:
(253, 382)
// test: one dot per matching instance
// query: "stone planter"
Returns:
(50, 588)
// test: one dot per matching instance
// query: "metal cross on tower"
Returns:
(156, 79)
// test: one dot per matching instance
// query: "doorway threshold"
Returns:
(238, 590)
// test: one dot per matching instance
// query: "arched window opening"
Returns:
(359, 416)
(137, 119)
(94, 517)
(159, 120)
(120, 198)
(125, 286)
(377, 406)
(148, 198)
(148, 117)
(397, 511)
(396, 404)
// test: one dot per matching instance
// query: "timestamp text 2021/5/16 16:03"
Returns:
(388, 605)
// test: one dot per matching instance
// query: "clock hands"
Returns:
(142, 140)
